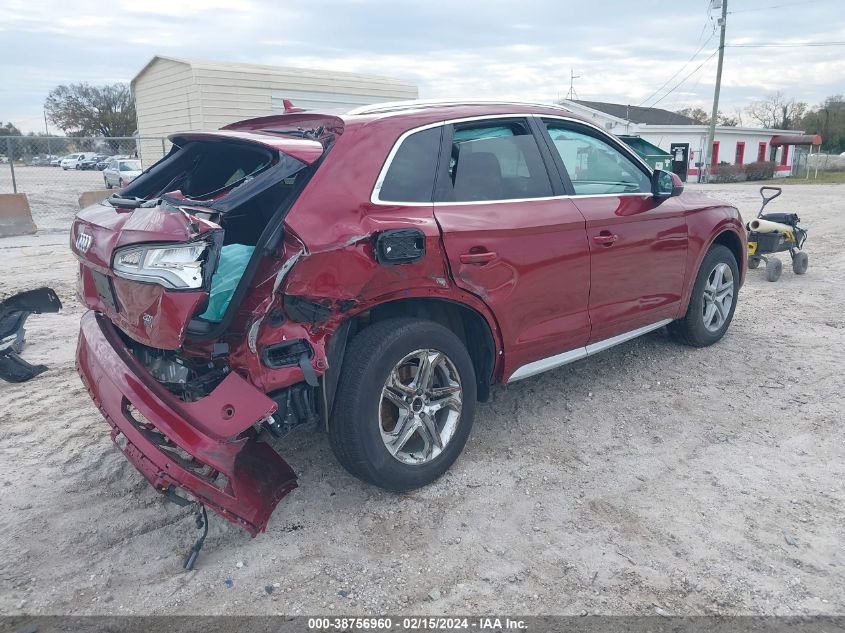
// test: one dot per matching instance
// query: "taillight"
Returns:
(178, 266)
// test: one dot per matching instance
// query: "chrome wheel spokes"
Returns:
(420, 406)
(718, 297)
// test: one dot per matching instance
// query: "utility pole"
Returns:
(47, 132)
(711, 133)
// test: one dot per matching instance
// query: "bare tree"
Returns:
(696, 114)
(86, 110)
(776, 111)
(703, 118)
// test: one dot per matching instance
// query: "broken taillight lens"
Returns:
(177, 266)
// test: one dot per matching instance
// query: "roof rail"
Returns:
(393, 106)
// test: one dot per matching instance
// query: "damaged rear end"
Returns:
(166, 268)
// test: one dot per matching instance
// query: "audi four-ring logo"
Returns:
(84, 241)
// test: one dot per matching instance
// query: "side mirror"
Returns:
(665, 184)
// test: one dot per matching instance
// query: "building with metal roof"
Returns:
(188, 95)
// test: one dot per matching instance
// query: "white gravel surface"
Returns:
(651, 479)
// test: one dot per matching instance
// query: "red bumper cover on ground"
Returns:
(193, 446)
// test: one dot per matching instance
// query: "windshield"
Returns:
(130, 165)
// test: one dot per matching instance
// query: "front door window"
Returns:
(594, 166)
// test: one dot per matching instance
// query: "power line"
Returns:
(708, 19)
(777, 6)
(678, 72)
(678, 85)
(794, 45)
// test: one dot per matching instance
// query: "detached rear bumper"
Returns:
(189, 445)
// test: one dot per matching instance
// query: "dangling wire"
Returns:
(202, 522)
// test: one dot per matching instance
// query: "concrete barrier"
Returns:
(15, 216)
(93, 197)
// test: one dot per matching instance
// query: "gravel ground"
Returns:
(650, 479)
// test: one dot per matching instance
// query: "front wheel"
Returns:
(800, 262)
(405, 403)
(713, 301)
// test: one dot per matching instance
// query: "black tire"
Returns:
(753, 262)
(800, 263)
(355, 428)
(690, 330)
(108, 184)
(774, 267)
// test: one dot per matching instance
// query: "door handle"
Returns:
(478, 259)
(605, 238)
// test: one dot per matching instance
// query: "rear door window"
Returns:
(410, 176)
(594, 166)
(495, 160)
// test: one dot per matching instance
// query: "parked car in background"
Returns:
(74, 161)
(57, 162)
(103, 162)
(91, 161)
(41, 161)
(119, 172)
(391, 265)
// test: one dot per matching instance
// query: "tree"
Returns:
(776, 111)
(827, 119)
(703, 118)
(696, 114)
(85, 110)
(9, 129)
(9, 147)
(727, 120)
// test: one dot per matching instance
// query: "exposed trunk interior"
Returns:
(202, 186)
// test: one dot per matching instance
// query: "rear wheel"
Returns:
(774, 267)
(107, 183)
(405, 403)
(800, 262)
(753, 262)
(713, 301)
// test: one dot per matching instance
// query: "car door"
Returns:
(514, 239)
(638, 243)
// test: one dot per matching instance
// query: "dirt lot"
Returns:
(651, 479)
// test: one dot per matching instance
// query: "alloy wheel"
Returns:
(420, 406)
(718, 297)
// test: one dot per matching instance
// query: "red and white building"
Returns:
(685, 139)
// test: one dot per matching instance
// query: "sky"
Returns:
(622, 50)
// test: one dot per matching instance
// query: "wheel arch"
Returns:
(733, 242)
(728, 233)
(467, 322)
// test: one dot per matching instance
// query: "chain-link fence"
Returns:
(35, 165)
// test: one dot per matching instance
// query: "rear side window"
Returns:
(410, 177)
(495, 161)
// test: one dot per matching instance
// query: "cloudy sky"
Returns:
(623, 50)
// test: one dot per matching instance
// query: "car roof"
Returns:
(413, 113)
(433, 110)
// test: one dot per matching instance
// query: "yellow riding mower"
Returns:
(773, 233)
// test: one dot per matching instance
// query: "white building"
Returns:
(178, 95)
(685, 139)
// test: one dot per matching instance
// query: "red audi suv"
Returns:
(372, 275)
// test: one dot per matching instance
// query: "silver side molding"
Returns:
(545, 364)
